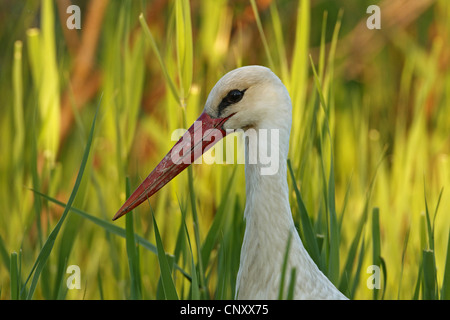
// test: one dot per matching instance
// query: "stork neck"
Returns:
(268, 226)
(267, 190)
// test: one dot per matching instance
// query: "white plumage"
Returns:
(262, 104)
(268, 214)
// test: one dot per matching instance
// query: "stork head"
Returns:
(253, 96)
(247, 97)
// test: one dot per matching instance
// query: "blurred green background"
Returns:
(386, 99)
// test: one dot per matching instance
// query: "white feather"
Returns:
(267, 105)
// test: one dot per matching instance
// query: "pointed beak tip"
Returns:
(118, 215)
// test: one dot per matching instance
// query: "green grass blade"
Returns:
(214, 231)
(318, 86)
(184, 45)
(322, 46)
(100, 286)
(445, 291)
(4, 255)
(418, 283)
(19, 126)
(46, 80)
(344, 205)
(201, 266)
(261, 33)
(180, 244)
(284, 267)
(170, 293)
(181, 44)
(46, 250)
(429, 225)
(309, 239)
(405, 246)
(429, 275)
(195, 290)
(280, 46)
(68, 237)
(376, 246)
(132, 251)
(299, 69)
(384, 271)
(188, 69)
(14, 277)
(292, 282)
(333, 273)
(37, 205)
(355, 279)
(154, 47)
(430, 289)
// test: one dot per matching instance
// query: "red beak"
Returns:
(195, 142)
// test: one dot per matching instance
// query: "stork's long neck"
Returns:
(268, 216)
(269, 225)
(267, 193)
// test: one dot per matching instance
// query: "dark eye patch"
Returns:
(234, 96)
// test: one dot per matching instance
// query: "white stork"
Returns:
(251, 97)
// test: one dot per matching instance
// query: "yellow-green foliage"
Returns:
(369, 152)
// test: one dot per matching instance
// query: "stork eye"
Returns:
(234, 96)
